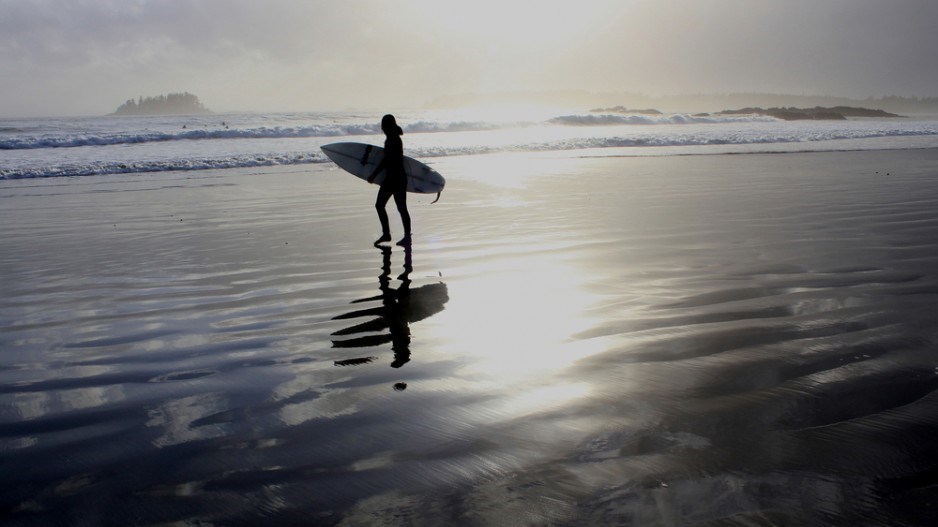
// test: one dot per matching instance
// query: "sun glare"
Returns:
(515, 317)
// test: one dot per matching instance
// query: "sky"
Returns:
(86, 57)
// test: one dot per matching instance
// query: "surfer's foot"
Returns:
(400, 361)
(405, 241)
(383, 239)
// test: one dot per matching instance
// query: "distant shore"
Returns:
(686, 103)
(818, 113)
(837, 113)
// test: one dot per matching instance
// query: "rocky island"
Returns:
(816, 113)
(172, 104)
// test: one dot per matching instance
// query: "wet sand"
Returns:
(699, 340)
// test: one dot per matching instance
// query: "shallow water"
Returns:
(671, 341)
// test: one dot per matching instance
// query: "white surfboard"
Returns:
(360, 160)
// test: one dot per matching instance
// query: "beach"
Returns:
(575, 338)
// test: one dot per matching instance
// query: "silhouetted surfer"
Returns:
(395, 181)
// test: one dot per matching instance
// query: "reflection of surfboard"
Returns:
(416, 304)
(400, 309)
(361, 160)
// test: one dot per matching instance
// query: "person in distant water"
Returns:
(395, 181)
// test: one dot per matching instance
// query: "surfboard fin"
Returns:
(437, 197)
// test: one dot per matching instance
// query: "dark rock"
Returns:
(817, 113)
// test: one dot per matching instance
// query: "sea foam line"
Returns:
(173, 165)
(79, 140)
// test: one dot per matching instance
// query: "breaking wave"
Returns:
(605, 119)
(173, 165)
(78, 140)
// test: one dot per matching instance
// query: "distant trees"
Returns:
(174, 103)
(905, 104)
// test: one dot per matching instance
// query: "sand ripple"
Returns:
(669, 341)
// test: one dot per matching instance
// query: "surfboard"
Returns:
(360, 160)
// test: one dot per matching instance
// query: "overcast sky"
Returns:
(61, 57)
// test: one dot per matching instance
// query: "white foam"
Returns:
(171, 165)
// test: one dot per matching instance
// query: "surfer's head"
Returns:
(389, 125)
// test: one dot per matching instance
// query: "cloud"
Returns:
(235, 54)
(88, 56)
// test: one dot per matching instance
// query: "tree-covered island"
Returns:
(172, 104)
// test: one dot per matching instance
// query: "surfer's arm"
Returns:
(379, 168)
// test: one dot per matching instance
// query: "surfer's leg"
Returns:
(400, 199)
(384, 194)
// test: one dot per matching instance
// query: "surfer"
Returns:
(395, 181)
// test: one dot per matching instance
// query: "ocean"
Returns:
(67, 147)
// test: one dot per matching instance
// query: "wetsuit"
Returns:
(394, 184)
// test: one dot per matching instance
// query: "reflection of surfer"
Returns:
(399, 308)
(395, 181)
(393, 315)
